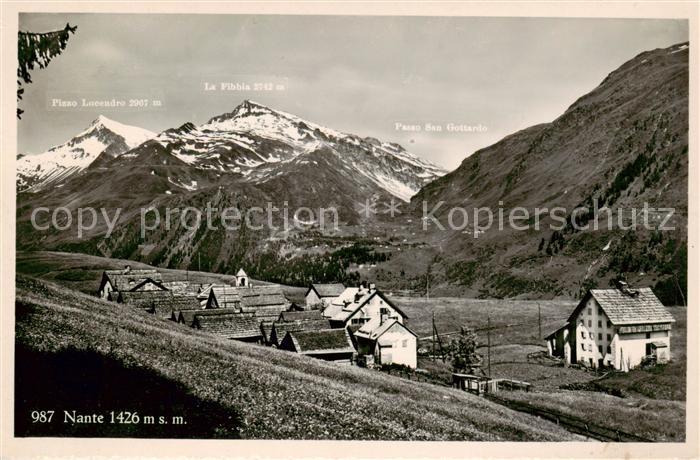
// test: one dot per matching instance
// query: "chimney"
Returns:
(623, 287)
(372, 287)
(127, 269)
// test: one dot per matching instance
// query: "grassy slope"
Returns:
(276, 394)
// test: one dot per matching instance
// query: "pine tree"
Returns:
(38, 49)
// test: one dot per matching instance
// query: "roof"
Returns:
(241, 272)
(563, 326)
(350, 309)
(373, 330)
(226, 296)
(146, 281)
(166, 306)
(206, 289)
(266, 329)
(305, 315)
(323, 341)
(632, 306)
(183, 287)
(279, 329)
(125, 279)
(187, 316)
(229, 326)
(144, 299)
(257, 296)
(659, 344)
(327, 290)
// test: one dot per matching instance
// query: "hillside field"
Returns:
(224, 388)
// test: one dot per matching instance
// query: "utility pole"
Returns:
(488, 343)
(539, 320)
(433, 355)
(427, 286)
(199, 262)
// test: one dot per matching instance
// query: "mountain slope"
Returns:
(257, 142)
(622, 145)
(227, 389)
(103, 137)
(251, 158)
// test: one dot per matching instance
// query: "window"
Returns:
(404, 343)
(648, 335)
(600, 323)
(600, 336)
(609, 337)
(583, 335)
(590, 347)
(355, 321)
(590, 311)
(590, 323)
(600, 311)
(383, 311)
(609, 350)
(583, 346)
(609, 324)
(600, 348)
(590, 334)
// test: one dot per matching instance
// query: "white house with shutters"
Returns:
(616, 328)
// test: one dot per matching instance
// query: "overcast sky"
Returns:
(355, 74)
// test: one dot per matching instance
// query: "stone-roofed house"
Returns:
(320, 295)
(327, 344)
(233, 326)
(125, 280)
(614, 327)
(267, 302)
(144, 300)
(164, 308)
(224, 297)
(279, 329)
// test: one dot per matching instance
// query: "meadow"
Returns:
(267, 393)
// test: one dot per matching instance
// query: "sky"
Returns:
(370, 76)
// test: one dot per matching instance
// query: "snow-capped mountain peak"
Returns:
(103, 136)
(258, 141)
(132, 135)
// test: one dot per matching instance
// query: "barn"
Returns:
(327, 344)
(616, 328)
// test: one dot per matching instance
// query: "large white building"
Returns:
(614, 327)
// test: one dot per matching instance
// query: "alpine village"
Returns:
(382, 330)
